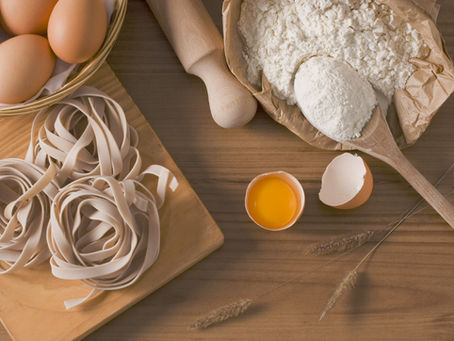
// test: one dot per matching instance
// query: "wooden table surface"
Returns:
(405, 291)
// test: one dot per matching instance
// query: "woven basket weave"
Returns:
(84, 72)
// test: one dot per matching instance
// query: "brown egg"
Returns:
(26, 16)
(26, 63)
(346, 183)
(77, 29)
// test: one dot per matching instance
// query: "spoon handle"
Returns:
(378, 142)
(399, 162)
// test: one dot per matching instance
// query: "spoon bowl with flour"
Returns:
(340, 104)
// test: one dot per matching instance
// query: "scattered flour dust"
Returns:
(334, 98)
(279, 35)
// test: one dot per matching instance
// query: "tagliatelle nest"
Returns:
(26, 191)
(86, 134)
(103, 227)
(106, 232)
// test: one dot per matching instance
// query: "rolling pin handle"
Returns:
(231, 104)
(200, 49)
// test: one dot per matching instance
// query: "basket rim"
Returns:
(86, 70)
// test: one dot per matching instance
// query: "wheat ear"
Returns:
(349, 281)
(223, 313)
(351, 241)
(240, 306)
(342, 244)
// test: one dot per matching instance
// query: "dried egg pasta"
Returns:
(106, 232)
(86, 134)
(102, 227)
(26, 191)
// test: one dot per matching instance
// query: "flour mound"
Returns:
(334, 98)
(280, 35)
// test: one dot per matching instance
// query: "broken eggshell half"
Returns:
(346, 183)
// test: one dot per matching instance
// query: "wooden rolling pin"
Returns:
(199, 46)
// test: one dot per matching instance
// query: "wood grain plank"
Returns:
(406, 292)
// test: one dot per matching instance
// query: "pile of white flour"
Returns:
(279, 35)
(334, 98)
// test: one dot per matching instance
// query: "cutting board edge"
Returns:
(4, 325)
(215, 231)
(200, 257)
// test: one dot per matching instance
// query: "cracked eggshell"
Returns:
(346, 183)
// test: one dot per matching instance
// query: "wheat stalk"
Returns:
(348, 242)
(223, 313)
(238, 307)
(343, 243)
(349, 281)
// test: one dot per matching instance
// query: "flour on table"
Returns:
(280, 35)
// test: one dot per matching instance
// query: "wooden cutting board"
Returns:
(31, 301)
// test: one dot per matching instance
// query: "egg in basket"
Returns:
(50, 48)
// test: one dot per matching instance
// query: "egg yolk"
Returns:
(272, 202)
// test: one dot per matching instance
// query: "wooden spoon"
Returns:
(377, 140)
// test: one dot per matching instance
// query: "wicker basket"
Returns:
(85, 71)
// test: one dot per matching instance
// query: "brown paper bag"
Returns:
(414, 107)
